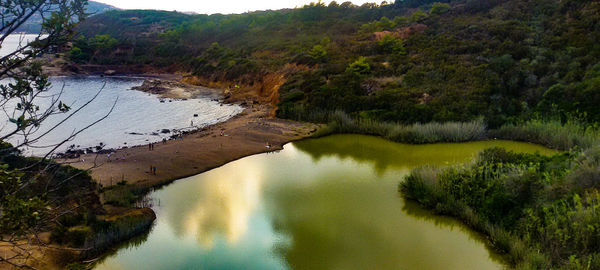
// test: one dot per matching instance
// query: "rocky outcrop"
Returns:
(403, 32)
(157, 86)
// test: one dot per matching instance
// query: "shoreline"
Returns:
(198, 151)
(253, 131)
(246, 134)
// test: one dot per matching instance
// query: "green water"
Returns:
(329, 203)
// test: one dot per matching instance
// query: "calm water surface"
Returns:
(329, 203)
(16, 41)
(138, 118)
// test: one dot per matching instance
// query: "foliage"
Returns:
(123, 195)
(552, 133)
(36, 192)
(582, 95)
(19, 213)
(318, 53)
(33, 25)
(94, 234)
(359, 68)
(38, 195)
(503, 60)
(439, 8)
(541, 211)
(339, 122)
(521, 68)
(391, 45)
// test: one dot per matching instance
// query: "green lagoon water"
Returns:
(328, 203)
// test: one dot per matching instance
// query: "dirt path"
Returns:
(248, 133)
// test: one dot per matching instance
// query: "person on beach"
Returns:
(154, 170)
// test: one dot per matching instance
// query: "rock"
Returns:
(156, 86)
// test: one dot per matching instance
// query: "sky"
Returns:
(215, 6)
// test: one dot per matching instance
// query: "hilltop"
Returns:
(411, 61)
(34, 24)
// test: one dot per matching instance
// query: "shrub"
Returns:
(123, 195)
(586, 173)
(553, 134)
(439, 8)
(340, 122)
(523, 203)
(77, 236)
(391, 45)
(359, 68)
(116, 229)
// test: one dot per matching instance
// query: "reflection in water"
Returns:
(383, 154)
(329, 203)
(215, 207)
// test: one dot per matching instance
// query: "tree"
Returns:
(102, 45)
(439, 8)
(27, 80)
(359, 68)
(385, 24)
(414, 3)
(318, 53)
(31, 189)
(391, 45)
(418, 16)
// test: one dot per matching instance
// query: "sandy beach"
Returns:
(246, 134)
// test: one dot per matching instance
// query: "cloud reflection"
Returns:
(219, 204)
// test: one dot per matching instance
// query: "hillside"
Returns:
(411, 61)
(413, 71)
(34, 24)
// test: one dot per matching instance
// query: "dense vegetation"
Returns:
(541, 211)
(407, 62)
(420, 71)
(39, 195)
(46, 208)
(64, 190)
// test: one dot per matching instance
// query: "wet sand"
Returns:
(246, 134)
